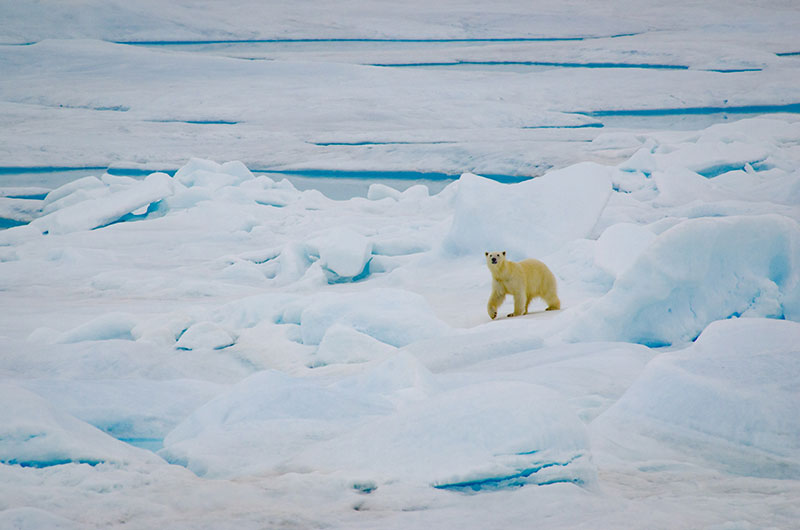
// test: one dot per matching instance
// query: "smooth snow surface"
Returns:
(242, 275)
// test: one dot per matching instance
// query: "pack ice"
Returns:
(283, 346)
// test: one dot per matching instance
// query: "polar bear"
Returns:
(524, 280)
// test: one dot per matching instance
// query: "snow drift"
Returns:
(467, 439)
(532, 218)
(34, 433)
(730, 398)
(392, 423)
(260, 422)
(697, 272)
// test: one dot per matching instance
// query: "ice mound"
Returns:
(262, 421)
(378, 192)
(28, 518)
(71, 210)
(398, 246)
(343, 344)
(343, 253)
(337, 255)
(746, 160)
(105, 327)
(18, 211)
(730, 398)
(392, 422)
(73, 193)
(208, 174)
(532, 218)
(207, 182)
(127, 409)
(399, 379)
(590, 377)
(697, 272)
(484, 436)
(206, 335)
(89, 203)
(458, 350)
(284, 264)
(164, 329)
(392, 316)
(35, 434)
(619, 245)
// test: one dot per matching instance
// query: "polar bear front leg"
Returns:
(495, 299)
(519, 304)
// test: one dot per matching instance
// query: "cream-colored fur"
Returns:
(524, 280)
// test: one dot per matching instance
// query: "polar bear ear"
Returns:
(487, 253)
(504, 253)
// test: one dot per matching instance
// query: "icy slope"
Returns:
(280, 347)
(729, 399)
(697, 272)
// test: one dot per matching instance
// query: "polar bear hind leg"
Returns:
(550, 292)
(553, 302)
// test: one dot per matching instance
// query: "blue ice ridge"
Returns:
(41, 464)
(519, 479)
(154, 209)
(367, 40)
(717, 170)
(581, 126)
(793, 108)
(734, 70)
(365, 488)
(30, 197)
(197, 122)
(150, 444)
(104, 108)
(368, 143)
(651, 66)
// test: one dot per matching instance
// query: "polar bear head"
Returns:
(495, 259)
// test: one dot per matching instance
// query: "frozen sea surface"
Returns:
(242, 281)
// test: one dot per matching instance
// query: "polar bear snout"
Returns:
(493, 258)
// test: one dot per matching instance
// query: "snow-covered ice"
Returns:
(242, 281)
(699, 271)
(37, 433)
(536, 220)
(728, 400)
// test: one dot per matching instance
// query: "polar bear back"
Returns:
(539, 281)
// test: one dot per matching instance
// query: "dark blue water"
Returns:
(690, 118)
(372, 41)
(529, 65)
(698, 111)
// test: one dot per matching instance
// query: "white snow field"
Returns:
(242, 274)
